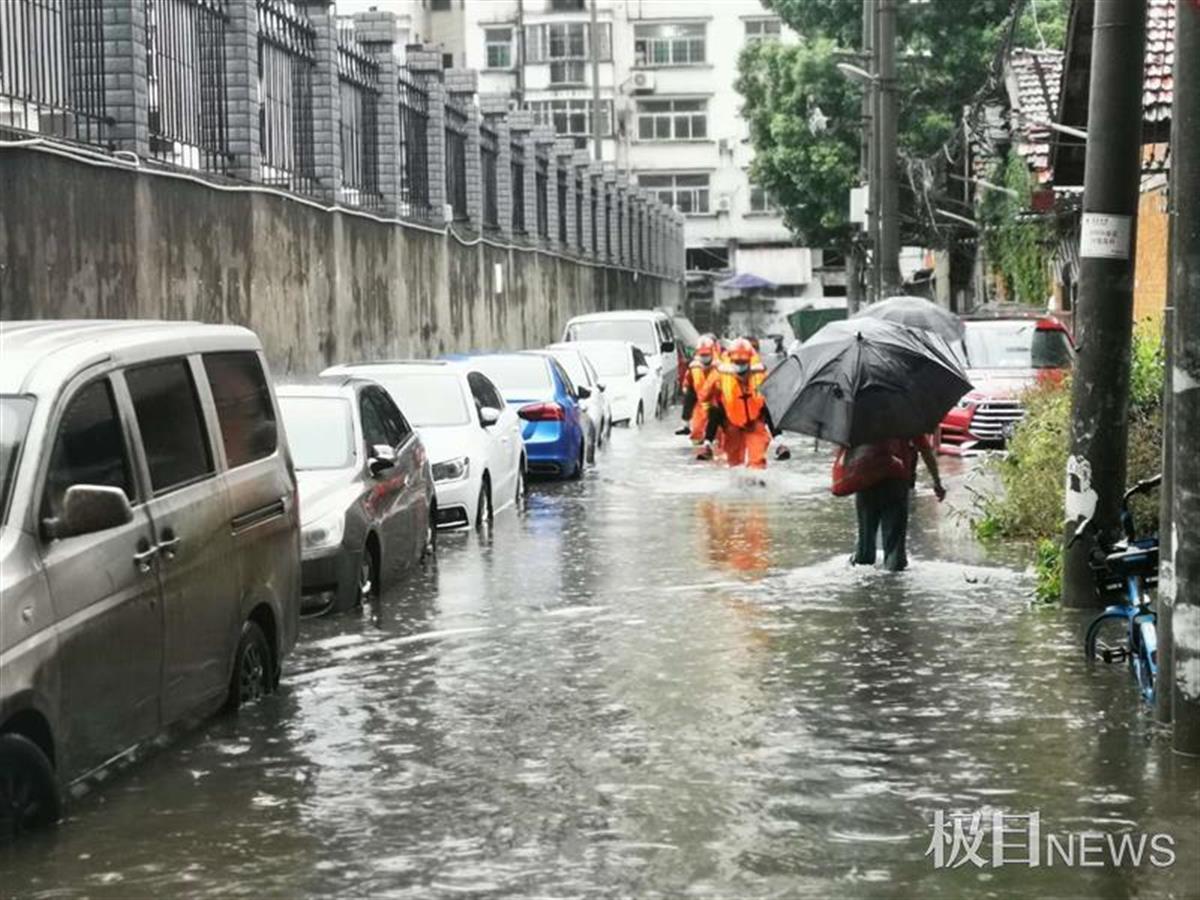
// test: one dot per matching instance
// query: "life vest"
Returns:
(698, 374)
(739, 394)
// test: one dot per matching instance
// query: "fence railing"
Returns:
(517, 174)
(413, 189)
(489, 157)
(286, 63)
(52, 69)
(542, 194)
(358, 122)
(579, 214)
(457, 120)
(185, 71)
(563, 212)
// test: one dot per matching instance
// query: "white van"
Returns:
(149, 542)
(648, 330)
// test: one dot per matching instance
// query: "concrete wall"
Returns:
(82, 241)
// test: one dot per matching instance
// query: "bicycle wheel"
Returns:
(1106, 632)
(1144, 634)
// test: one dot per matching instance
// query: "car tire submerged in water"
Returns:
(29, 796)
(591, 450)
(519, 495)
(640, 419)
(581, 461)
(251, 680)
(429, 550)
(483, 508)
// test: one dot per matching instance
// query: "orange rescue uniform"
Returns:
(699, 378)
(744, 426)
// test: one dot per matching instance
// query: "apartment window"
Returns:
(687, 192)
(669, 44)
(498, 44)
(759, 30)
(572, 118)
(439, 5)
(761, 200)
(672, 120)
(567, 5)
(556, 41)
(568, 71)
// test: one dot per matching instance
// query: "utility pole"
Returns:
(888, 246)
(1096, 467)
(864, 277)
(597, 134)
(1184, 572)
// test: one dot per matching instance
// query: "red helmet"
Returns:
(741, 351)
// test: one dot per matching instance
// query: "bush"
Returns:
(1030, 507)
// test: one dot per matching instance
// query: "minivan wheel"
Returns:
(29, 797)
(251, 667)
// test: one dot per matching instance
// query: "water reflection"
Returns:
(661, 681)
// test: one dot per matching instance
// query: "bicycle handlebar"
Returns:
(1141, 487)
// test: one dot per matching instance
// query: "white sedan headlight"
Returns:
(324, 532)
(452, 469)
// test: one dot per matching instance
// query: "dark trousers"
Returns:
(883, 507)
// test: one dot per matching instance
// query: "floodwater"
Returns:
(660, 682)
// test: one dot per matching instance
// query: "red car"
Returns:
(1004, 357)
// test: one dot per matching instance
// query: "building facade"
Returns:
(670, 120)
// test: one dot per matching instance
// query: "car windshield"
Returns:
(14, 423)
(516, 376)
(1015, 345)
(573, 363)
(427, 399)
(320, 431)
(611, 360)
(637, 331)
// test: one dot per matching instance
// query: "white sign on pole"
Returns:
(1104, 236)
(858, 205)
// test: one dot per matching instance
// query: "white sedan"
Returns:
(471, 435)
(595, 405)
(631, 387)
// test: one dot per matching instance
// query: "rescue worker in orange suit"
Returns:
(739, 408)
(700, 372)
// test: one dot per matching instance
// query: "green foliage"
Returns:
(1017, 244)
(1033, 473)
(808, 170)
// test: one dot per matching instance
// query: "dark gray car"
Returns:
(367, 500)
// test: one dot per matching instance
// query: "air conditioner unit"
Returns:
(723, 203)
(643, 82)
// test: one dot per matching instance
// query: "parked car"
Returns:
(472, 436)
(630, 385)
(150, 546)
(367, 501)
(598, 417)
(1004, 357)
(540, 391)
(648, 330)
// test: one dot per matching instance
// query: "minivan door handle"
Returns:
(169, 544)
(144, 557)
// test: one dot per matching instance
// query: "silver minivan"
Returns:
(150, 548)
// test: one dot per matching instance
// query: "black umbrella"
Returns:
(857, 381)
(917, 312)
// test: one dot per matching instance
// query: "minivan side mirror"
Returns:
(88, 508)
(583, 393)
(667, 347)
(488, 416)
(640, 372)
(382, 458)
(600, 386)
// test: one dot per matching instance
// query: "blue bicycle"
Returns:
(1126, 631)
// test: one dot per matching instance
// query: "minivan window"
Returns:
(88, 449)
(171, 424)
(319, 431)
(244, 408)
(636, 331)
(15, 413)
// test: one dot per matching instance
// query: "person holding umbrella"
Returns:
(877, 388)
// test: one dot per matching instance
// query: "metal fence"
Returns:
(286, 62)
(52, 69)
(456, 160)
(579, 214)
(358, 124)
(489, 151)
(595, 207)
(541, 177)
(414, 135)
(563, 212)
(517, 170)
(185, 70)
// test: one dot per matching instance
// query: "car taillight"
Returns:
(542, 412)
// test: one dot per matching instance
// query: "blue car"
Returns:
(541, 392)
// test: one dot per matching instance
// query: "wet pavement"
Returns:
(662, 681)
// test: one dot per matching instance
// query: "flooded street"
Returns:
(658, 682)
